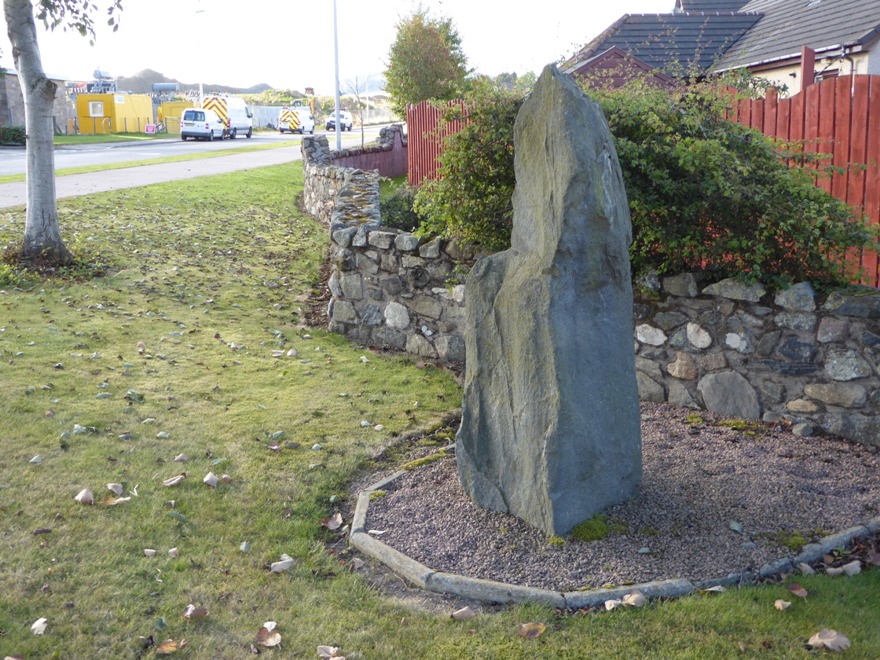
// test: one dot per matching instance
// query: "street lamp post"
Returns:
(336, 80)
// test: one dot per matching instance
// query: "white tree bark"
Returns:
(42, 233)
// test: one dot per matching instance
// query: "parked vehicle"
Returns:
(345, 121)
(233, 112)
(296, 119)
(201, 124)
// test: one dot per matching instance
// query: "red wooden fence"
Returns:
(839, 117)
(425, 138)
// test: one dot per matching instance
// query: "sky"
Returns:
(290, 45)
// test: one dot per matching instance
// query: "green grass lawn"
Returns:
(193, 343)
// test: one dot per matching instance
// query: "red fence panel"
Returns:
(425, 138)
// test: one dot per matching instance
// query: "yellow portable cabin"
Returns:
(113, 113)
(170, 113)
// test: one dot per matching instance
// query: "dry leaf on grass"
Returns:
(717, 589)
(169, 646)
(635, 599)
(173, 552)
(268, 636)
(334, 522)
(281, 566)
(852, 568)
(173, 481)
(193, 612)
(210, 479)
(464, 614)
(531, 630)
(612, 604)
(116, 489)
(781, 604)
(149, 552)
(829, 639)
(85, 496)
(806, 569)
(116, 501)
(181, 458)
(329, 653)
(798, 590)
(38, 627)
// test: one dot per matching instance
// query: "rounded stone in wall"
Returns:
(729, 393)
(396, 316)
(418, 278)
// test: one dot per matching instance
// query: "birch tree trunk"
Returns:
(42, 233)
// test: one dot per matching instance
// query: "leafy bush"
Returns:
(397, 209)
(8, 276)
(14, 135)
(472, 199)
(708, 193)
(705, 193)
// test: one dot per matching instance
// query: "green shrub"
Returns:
(397, 209)
(705, 193)
(13, 135)
(472, 199)
(8, 276)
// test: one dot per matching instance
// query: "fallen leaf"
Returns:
(210, 479)
(806, 569)
(169, 646)
(798, 590)
(635, 599)
(334, 522)
(181, 458)
(873, 558)
(245, 546)
(268, 636)
(38, 627)
(173, 481)
(116, 502)
(464, 614)
(173, 552)
(829, 639)
(834, 572)
(85, 497)
(116, 489)
(357, 563)
(281, 566)
(327, 652)
(781, 604)
(149, 552)
(853, 568)
(193, 612)
(531, 630)
(42, 530)
(736, 527)
(717, 589)
(613, 604)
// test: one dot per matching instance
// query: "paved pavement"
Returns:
(15, 194)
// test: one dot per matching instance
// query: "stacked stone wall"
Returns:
(793, 356)
(742, 351)
(389, 288)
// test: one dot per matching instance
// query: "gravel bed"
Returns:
(702, 482)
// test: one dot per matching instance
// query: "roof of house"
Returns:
(787, 25)
(711, 6)
(669, 41)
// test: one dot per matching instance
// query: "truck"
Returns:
(296, 119)
(233, 112)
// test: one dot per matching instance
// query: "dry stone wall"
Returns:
(739, 350)
(793, 356)
(390, 289)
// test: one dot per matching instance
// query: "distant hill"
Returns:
(142, 83)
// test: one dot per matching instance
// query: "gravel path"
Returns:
(702, 482)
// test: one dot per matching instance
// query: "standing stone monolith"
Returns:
(550, 426)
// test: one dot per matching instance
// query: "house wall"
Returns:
(782, 75)
(12, 110)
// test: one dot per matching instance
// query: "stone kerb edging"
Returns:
(489, 591)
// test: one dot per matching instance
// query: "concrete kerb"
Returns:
(489, 591)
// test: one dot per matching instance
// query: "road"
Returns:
(15, 194)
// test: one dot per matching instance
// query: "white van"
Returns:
(296, 119)
(233, 112)
(201, 124)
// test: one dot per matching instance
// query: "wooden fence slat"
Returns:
(758, 115)
(771, 105)
(842, 120)
(825, 130)
(872, 180)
